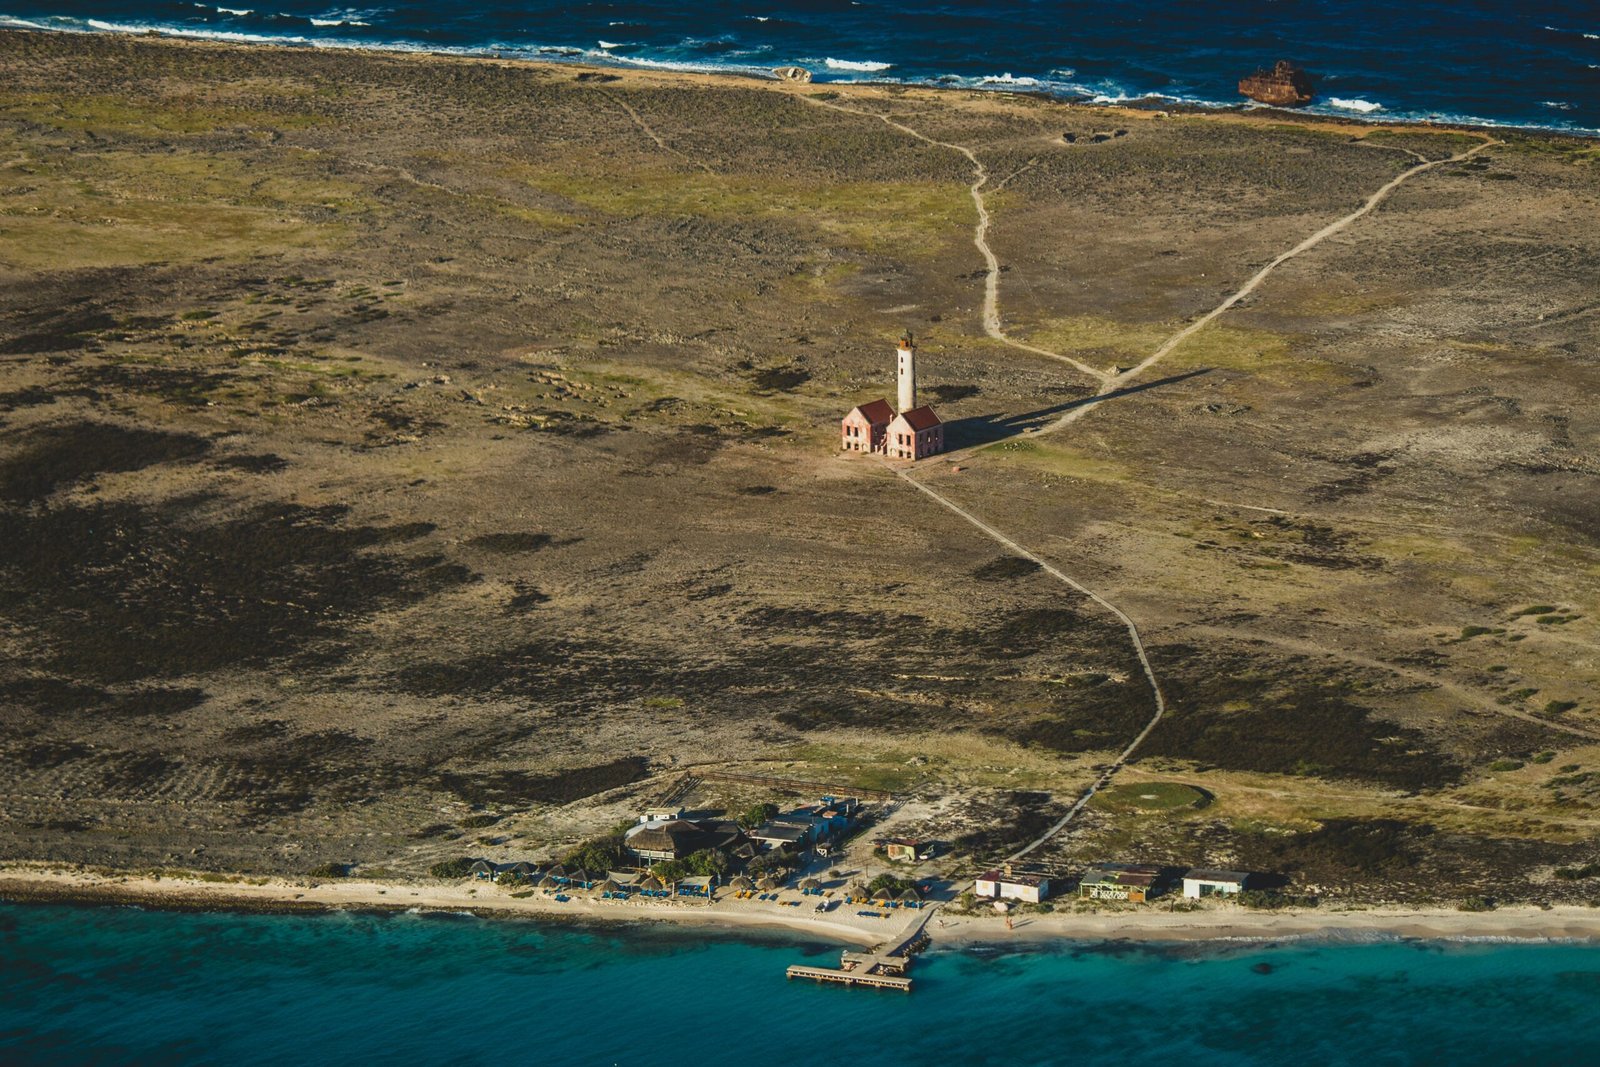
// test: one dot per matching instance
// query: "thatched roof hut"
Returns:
(883, 894)
(608, 886)
(557, 871)
(810, 883)
(768, 883)
(549, 882)
(651, 883)
(910, 896)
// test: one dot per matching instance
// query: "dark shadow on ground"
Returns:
(987, 429)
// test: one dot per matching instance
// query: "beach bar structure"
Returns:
(1200, 883)
(1135, 882)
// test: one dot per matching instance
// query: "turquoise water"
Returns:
(121, 985)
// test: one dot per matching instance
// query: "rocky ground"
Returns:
(386, 440)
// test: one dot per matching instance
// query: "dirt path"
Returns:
(649, 132)
(1134, 636)
(1112, 385)
(980, 237)
(1460, 692)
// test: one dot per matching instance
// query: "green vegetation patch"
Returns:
(1152, 797)
(881, 217)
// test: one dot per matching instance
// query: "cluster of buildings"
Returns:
(671, 834)
(1133, 882)
(875, 427)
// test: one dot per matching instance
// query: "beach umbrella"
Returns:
(651, 883)
(580, 877)
(608, 886)
(810, 883)
(768, 883)
(741, 882)
(910, 897)
(557, 871)
(882, 894)
(549, 882)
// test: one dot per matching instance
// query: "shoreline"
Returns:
(1214, 925)
(1148, 107)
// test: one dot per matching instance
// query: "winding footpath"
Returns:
(1111, 384)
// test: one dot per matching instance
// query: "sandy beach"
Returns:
(1216, 922)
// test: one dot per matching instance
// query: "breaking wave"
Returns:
(1366, 107)
(866, 66)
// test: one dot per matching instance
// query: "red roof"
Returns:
(921, 418)
(878, 412)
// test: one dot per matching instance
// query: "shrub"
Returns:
(1506, 765)
(478, 822)
(1272, 899)
(757, 814)
(1544, 757)
(1573, 874)
(600, 853)
(330, 870)
(456, 868)
(1476, 904)
(1556, 707)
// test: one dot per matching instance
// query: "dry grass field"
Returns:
(389, 439)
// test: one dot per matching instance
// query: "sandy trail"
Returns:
(1113, 385)
(650, 132)
(1478, 700)
(980, 237)
(1160, 703)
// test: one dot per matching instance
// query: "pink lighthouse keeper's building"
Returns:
(912, 434)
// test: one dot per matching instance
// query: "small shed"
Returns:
(909, 849)
(1201, 882)
(1135, 882)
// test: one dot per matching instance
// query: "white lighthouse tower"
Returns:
(907, 373)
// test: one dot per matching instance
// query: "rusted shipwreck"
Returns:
(1285, 85)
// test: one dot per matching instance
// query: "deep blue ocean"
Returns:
(1503, 62)
(124, 986)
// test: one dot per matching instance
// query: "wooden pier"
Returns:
(872, 969)
(853, 978)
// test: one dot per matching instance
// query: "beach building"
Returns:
(1200, 883)
(782, 834)
(1007, 884)
(1135, 882)
(673, 839)
(875, 427)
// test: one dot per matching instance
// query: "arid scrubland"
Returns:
(385, 439)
